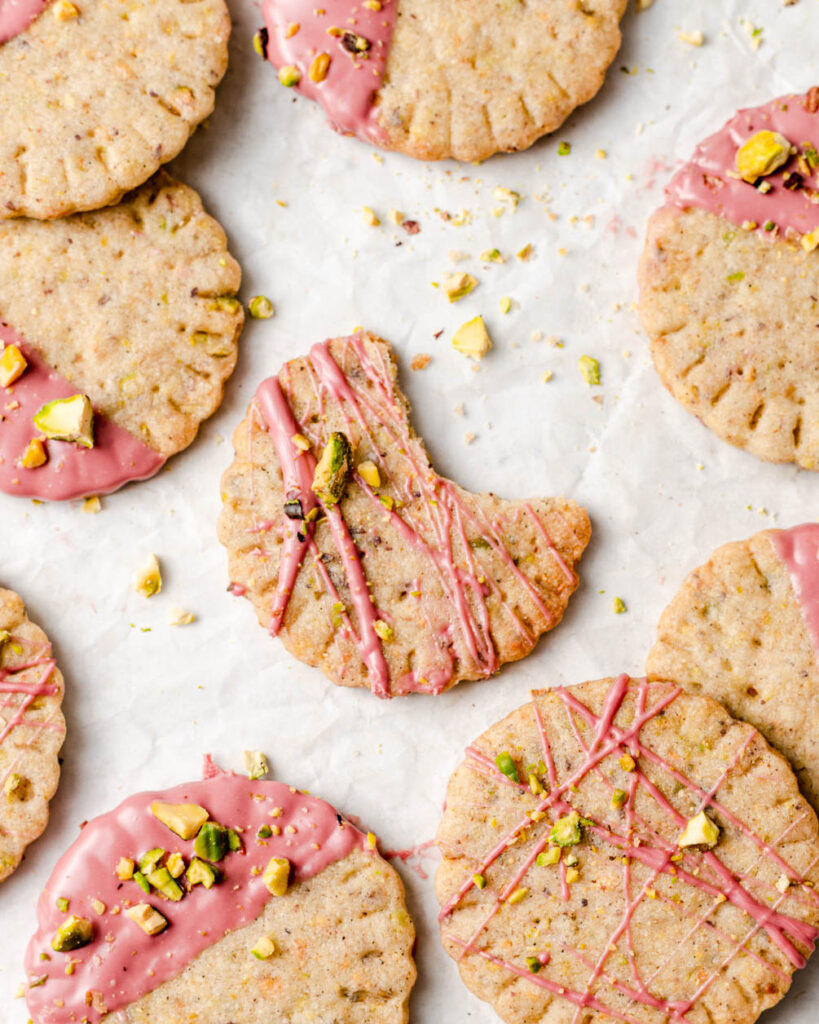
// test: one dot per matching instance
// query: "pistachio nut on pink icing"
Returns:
(783, 202)
(17, 15)
(122, 963)
(767, 908)
(458, 626)
(335, 53)
(71, 471)
(799, 550)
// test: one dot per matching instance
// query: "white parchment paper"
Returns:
(145, 700)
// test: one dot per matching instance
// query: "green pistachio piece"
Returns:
(332, 469)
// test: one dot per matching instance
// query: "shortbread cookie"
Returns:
(744, 629)
(97, 94)
(133, 307)
(466, 81)
(222, 900)
(32, 730)
(624, 851)
(729, 281)
(397, 580)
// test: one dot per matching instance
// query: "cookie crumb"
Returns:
(179, 617)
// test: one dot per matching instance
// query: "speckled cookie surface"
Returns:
(134, 305)
(32, 730)
(735, 631)
(732, 320)
(410, 584)
(94, 104)
(629, 925)
(344, 954)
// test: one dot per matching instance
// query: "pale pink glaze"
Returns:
(349, 91)
(704, 182)
(799, 550)
(71, 471)
(17, 15)
(639, 842)
(457, 627)
(122, 963)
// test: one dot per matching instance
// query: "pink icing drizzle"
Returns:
(445, 514)
(17, 15)
(128, 963)
(640, 843)
(348, 92)
(799, 550)
(704, 182)
(71, 471)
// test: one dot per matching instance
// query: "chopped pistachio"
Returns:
(762, 154)
(289, 75)
(200, 873)
(385, 632)
(260, 307)
(64, 10)
(518, 895)
(265, 832)
(566, 830)
(590, 370)
(73, 933)
(175, 864)
(370, 217)
(259, 43)
(276, 876)
(332, 469)
(491, 256)
(179, 617)
(12, 365)
(549, 857)
(142, 881)
(738, 275)
(147, 580)
(264, 948)
(618, 799)
(627, 763)
(16, 786)
(810, 241)
(67, 419)
(256, 764)
(368, 471)
(533, 964)
(699, 831)
(148, 861)
(62, 904)
(619, 605)
(472, 339)
(564, 148)
(125, 869)
(164, 883)
(572, 875)
(479, 880)
(535, 785)
(91, 506)
(212, 842)
(505, 304)
(148, 919)
(319, 67)
(507, 766)
(456, 286)
(184, 820)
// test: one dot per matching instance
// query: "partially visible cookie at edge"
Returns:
(623, 850)
(32, 730)
(222, 900)
(400, 581)
(744, 628)
(96, 96)
(729, 282)
(133, 307)
(466, 81)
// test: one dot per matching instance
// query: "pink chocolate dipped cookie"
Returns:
(624, 851)
(729, 280)
(105, 375)
(744, 629)
(466, 80)
(360, 557)
(226, 899)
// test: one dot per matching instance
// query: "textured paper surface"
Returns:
(145, 701)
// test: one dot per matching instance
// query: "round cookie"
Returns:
(133, 307)
(98, 94)
(623, 851)
(32, 730)
(406, 583)
(291, 916)
(476, 79)
(744, 629)
(729, 280)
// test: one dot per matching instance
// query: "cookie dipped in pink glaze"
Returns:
(17, 15)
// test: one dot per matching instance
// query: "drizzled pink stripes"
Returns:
(703, 871)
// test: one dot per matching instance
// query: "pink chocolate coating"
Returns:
(71, 471)
(799, 550)
(349, 89)
(17, 15)
(123, 963)
(705, 183)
